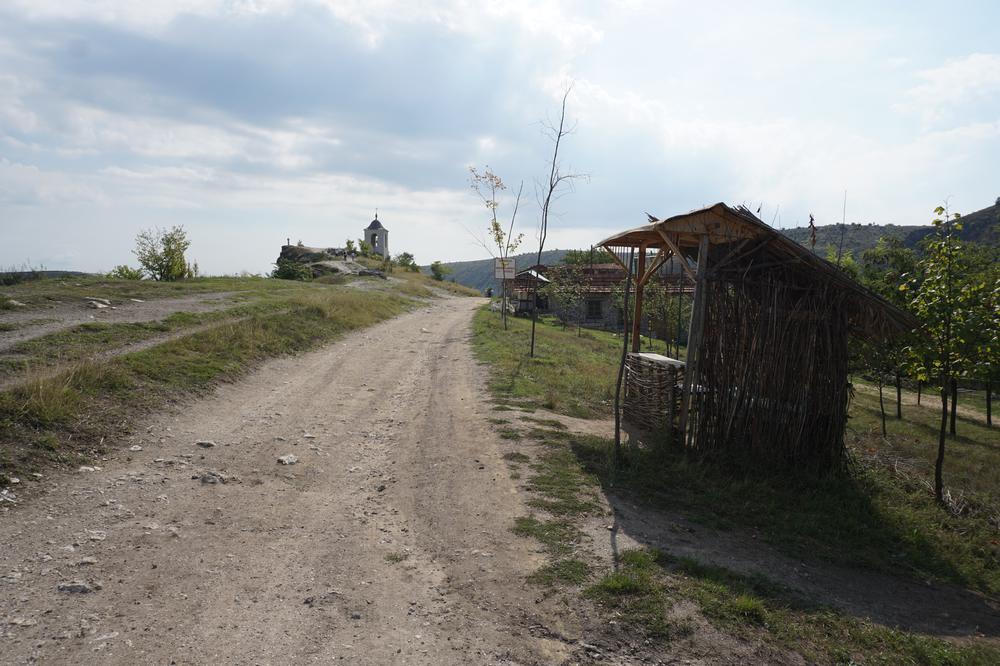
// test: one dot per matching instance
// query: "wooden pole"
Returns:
(621, 365)
(637, 317)
(694, 337)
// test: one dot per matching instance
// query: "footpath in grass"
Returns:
(66, 417)
(870, 518)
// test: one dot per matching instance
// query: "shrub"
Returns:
(287, 269)
(123, 272)
(161, 253)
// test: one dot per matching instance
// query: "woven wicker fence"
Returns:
(652, 398)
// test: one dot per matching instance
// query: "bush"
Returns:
(161, 253)
(439, 270)
(124, 272)
(287, 269)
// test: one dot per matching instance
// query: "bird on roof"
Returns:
(652, 218)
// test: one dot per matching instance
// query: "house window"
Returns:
(595, 309)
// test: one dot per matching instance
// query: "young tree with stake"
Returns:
(557, 179)
(490, 188)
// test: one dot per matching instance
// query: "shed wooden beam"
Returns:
(695, 334)
(617, 260)
(637, 318)
(677, 253)
(661, 258)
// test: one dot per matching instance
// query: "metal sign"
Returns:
(503, 269)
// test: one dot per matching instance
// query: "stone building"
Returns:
(378, 237)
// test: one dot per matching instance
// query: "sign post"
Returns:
(503, 269)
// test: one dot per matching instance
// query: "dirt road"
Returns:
(387, 542)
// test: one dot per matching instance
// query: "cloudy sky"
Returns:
(249, 121)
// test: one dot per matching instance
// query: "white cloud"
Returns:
(947, 90)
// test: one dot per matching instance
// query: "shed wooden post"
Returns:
(694, 337)
(639, 284)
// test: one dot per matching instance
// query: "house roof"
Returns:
(725, 225)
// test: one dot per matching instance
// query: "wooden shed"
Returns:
(765, 379)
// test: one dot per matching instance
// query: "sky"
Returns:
(252, 121)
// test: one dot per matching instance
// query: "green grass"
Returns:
(568, 571)
(396, 558)
(972, 463)
(634, 594)
(571, 374)
(558, 537)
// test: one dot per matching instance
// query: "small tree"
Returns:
(364, 248)
(943, 305)
(406, 260)
(161, 253)
(439, 270)
(124, 272)
(349, 247)
(566, 290)
(549, 193)
(595, 255)
(885, 269)
(490, 188)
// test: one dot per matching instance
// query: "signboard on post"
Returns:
(503, 269)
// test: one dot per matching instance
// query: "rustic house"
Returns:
(765, 378)
(601, 286)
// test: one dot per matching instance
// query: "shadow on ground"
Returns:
(803, 541)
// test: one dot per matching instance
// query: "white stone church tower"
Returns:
(378, 237)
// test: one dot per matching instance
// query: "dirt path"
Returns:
(35, 322)
(388, 541)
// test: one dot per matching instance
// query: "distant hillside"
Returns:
(981, 226)
(857, 237)
(479, 274)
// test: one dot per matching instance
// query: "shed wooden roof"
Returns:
(725, 225)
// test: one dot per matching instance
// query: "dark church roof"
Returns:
(375, 224)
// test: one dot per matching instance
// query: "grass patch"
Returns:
(396, 558)
(498, 421)
(561, 485)
(509, 433)
(558, 537)
(634, 594)
(566, 571)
